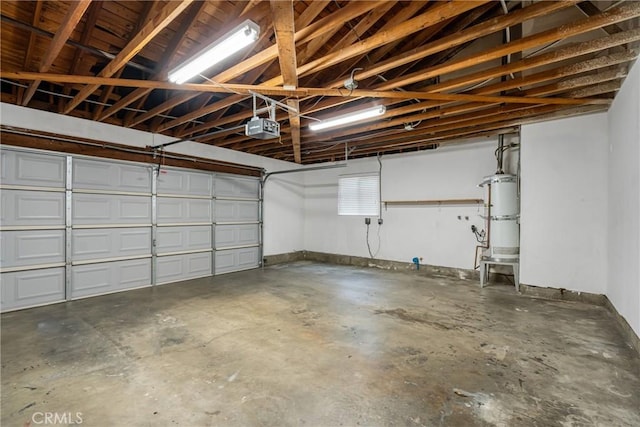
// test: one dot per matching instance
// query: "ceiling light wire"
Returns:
(222, 85)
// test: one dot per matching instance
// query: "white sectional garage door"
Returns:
(185, 221)
(237, 229)
(73, 226)
(110, 227)
(32, 240)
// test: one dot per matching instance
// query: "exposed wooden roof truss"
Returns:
(444, 70)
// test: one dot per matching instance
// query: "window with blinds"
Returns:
(358, 195)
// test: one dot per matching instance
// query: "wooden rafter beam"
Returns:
(437, 13)
(346, 67)
(309, 14)
(183, 97)
(624, 12)
(107, 91)
(464, 36)
(69, 23)
(401, 141)
(169, 53)
(239, 13)
(560, 72)
(409, 9)
(352, 35)
(306, 34)
(566, 52)
(303, 91)
(398, 116)
(405, 14)
(214, 107)
(85, 38)
(456, 27)
(294, 125)
(590, 9)
(168, 13)
(283, 24)
(37, 10)
(589, 84)
(452, 114)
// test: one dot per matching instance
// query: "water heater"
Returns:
(504, 227)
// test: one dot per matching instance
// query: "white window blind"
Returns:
(358, 195)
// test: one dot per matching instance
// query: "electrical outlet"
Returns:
(379, 221)
(367, 221)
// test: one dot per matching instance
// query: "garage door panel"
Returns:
(237, 259)
(32, 208)
(224, 209)
(225, 236)
(32, 169)
(109, 176)
(183, 238)
(100, 278)
(174, 268)
(242, 188)
(236, 210)
(236, 235)
(248, 235)
(225, 261)
(248, 211)
(91, 279)
(248, 258)
(199, 265)
(22, 289)
(99, 209)
(171, 181)
(180, 210)
(88, 244)
(31, 247)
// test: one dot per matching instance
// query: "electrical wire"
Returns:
(324, 149)
(222, 85)
(373, 254)
(480, 235)
(380, 221)
(316, 103)
(285, 108)
(354, 32)
(504, 148)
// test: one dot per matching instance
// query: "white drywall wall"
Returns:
(563, 225)
(623, 285)
(284, 194)
(433, 233)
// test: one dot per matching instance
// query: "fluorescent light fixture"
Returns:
(348, 118)
(240, 37)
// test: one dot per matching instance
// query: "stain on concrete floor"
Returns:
(319, 345)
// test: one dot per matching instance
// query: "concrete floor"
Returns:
(318, 345)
